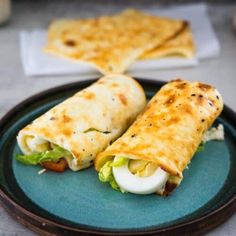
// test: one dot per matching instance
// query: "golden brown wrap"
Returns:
(170, 130)
(110, 43)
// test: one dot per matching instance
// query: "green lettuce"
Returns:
(200, 147)
(38, 157)
(120, 161)
(105, 175)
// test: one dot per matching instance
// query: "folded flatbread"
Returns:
(181, 45)
(169, 131)
(86, 123)
(110, 43)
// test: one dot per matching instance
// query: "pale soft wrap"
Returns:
(107, 108)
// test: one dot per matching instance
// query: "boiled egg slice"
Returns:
(139, 185)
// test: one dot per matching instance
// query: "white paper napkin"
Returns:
(35, 62)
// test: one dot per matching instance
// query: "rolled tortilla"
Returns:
(170, 130)
(86, 123)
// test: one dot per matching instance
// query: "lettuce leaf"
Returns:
(120, 161)
(115, 186)
(105, 175)
(200, 147)
(38, 157)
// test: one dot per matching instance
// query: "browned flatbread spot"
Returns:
(66, 132)
(123, 99)
(65, 119)
(89, 95)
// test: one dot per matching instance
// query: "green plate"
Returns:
(77, 202)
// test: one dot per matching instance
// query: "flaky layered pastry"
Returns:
(84, 124)
(110, 43)
(168, 132)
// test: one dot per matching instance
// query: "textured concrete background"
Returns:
(15, 86)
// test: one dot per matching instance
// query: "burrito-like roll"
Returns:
(152, 154)
(76, 130)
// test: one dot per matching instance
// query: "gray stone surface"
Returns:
(15, 86)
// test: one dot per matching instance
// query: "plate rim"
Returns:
(202, 224)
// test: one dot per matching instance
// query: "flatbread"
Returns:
(88, 121)
(110, 43)
(182, 45)
(170, 129)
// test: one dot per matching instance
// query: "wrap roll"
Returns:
(169, 131)
(86, 123)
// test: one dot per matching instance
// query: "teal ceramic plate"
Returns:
(72, 203)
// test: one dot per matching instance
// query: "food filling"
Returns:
(49, 155)
(134, 176)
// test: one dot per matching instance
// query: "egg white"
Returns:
(139, 185)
